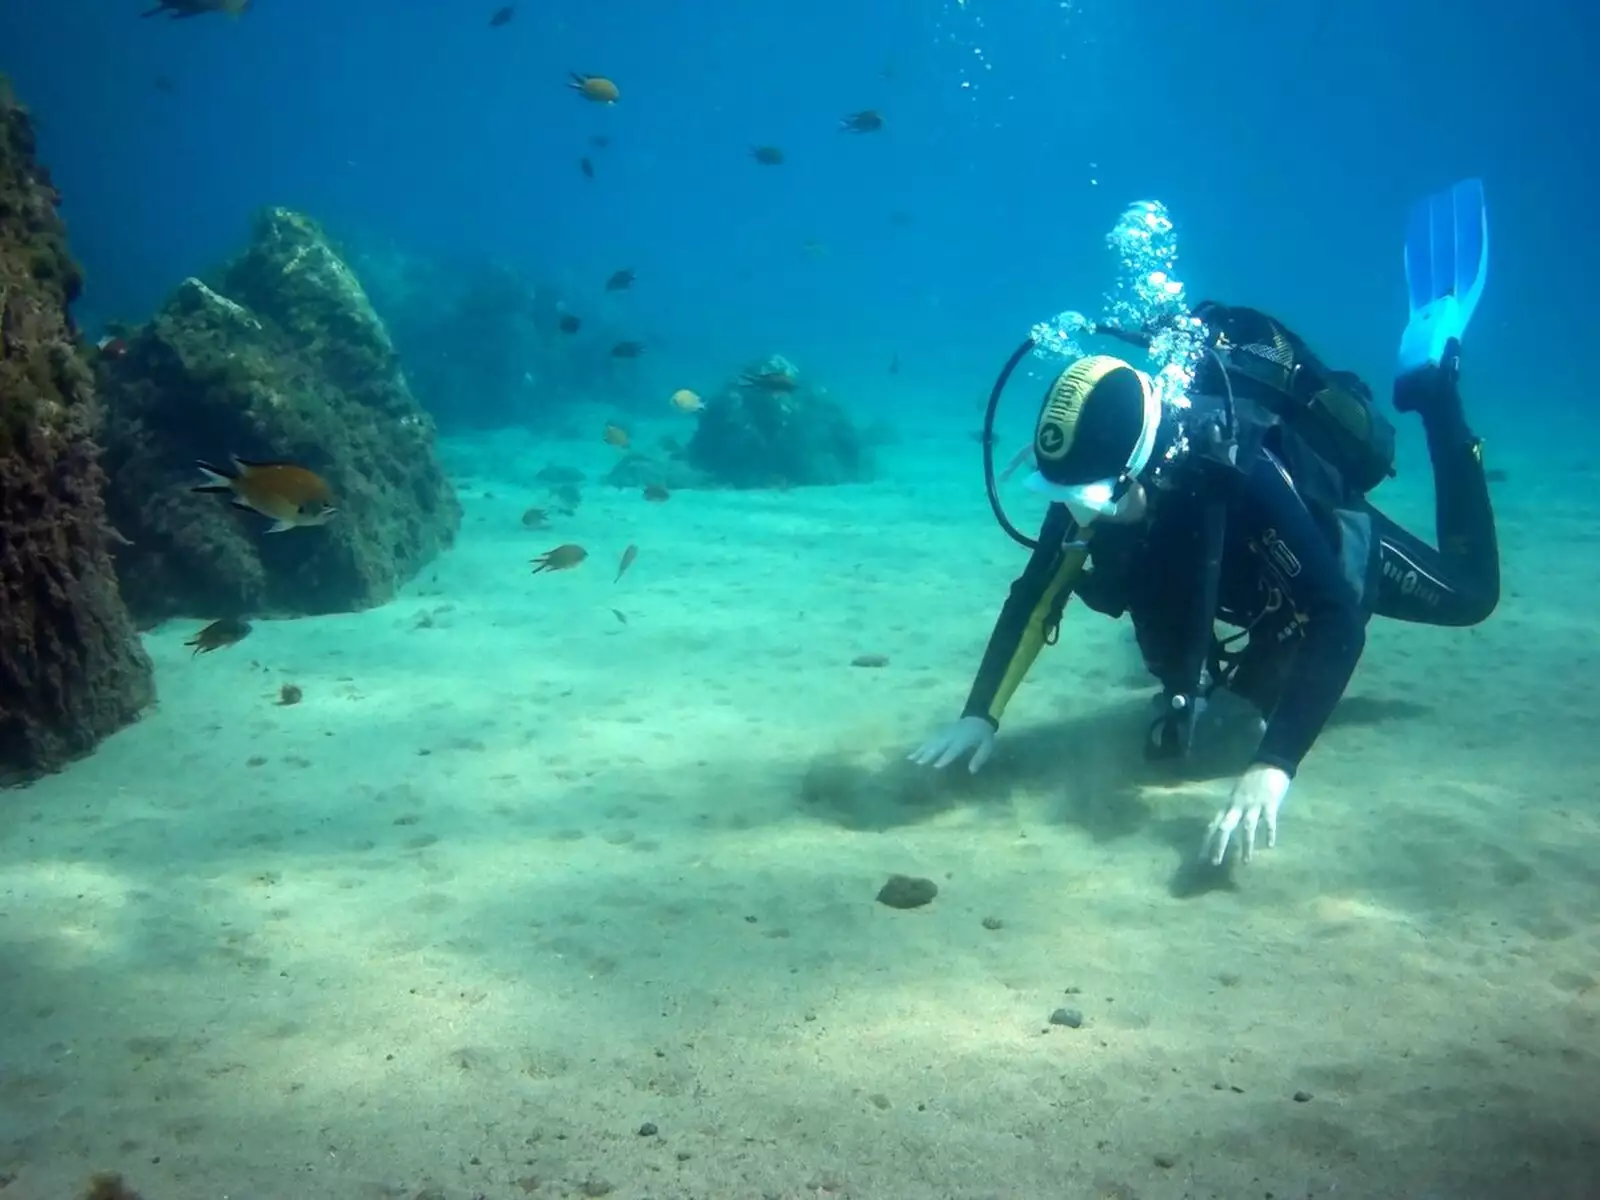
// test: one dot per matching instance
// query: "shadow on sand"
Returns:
(1091, 769)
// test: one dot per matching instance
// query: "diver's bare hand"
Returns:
(1256, 797)
(969, 735)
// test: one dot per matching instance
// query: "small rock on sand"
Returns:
(904, 891)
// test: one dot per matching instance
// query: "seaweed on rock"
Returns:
(280, 357)
(71, 667)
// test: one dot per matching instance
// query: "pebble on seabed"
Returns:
(904, 891)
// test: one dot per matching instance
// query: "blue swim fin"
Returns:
(1447, 259)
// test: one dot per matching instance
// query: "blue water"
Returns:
(1287, 139)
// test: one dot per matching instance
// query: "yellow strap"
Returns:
(1037, 632)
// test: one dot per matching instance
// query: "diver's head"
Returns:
(1096, 432)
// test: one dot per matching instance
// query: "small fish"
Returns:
(671, 445)
(562, 558)
(655, 493)
(767, 156)
(502, 16)
(814, 250)
(621, 616)
(179, 9)
(599, 140)
(595, 87)
(536, 518)
(900, 219)
(292, 496)
(112, 347)
(569, 324)
(615, 435)
(628, 555)
(894, 363)
(686, 401)
(621, 281)
(586, 167)
(165, 86)
(868, 120)
(770, 381)
(627, 350)
(218, 634)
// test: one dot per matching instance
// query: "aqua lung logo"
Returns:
(1412, 583)
(1063, 405)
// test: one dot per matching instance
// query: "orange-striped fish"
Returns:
(292, 496)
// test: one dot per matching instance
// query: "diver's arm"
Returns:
(1028, 618)
(1333, 628)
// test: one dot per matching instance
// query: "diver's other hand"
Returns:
(1256, 797)
(969, 735)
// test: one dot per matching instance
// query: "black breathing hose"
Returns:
(1000, 382)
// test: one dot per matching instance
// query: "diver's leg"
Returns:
(1459, 583)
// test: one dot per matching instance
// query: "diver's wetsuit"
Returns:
(1282, 579)
(1459, 583)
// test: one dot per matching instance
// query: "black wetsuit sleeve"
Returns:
(1029, 617)
(1297, 555)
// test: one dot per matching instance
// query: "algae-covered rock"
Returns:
(280, 357)
(71, 667)
(771, 428)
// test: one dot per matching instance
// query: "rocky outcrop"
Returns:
(279, 358)
(771, 428)
(71, 667)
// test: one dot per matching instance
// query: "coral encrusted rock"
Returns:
(71, 667)
(279, 358)
(770, 428)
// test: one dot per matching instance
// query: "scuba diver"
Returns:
(1244, 503)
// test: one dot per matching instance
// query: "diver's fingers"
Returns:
(924, 754)
(1272, 827)
(953, 749)
(981, 755)
(1247, 835)
(1219, 834)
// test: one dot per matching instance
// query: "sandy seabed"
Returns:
(564, 886)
